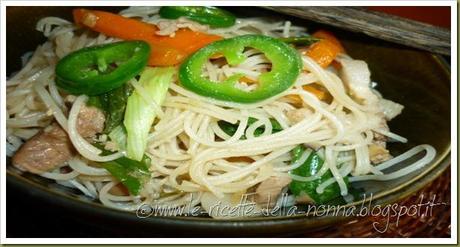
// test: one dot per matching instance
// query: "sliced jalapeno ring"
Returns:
(212, 16)
(99, 69)
(286, 66)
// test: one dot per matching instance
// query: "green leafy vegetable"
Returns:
(132, 174)
(230, 129)
(303, 40)
(309, 168)
(113, 104)
(140, 114)
(132, 183)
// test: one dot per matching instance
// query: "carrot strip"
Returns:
(318, 92)
(323, 34)
(315, 89)
(165, 50)
(240, 159)
(247, 80)
(325, 50)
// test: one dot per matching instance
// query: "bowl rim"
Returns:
(436, 168)
(42, 192)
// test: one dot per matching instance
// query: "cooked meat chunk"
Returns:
(51, 148)
(303, 198)
(390, 109)
(45, 151)
(90, 121)
(297, 115)
(357, 77)
(380, 139)
(268, 191)
(378, 154)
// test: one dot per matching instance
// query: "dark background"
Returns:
(29, 217)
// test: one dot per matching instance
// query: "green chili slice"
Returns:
(212, 16)
(286, 66)
(98, 69)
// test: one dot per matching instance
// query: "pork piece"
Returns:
(297, 115)
(380, 139)
(52, 148)
(47, 150)
(90, 121)
(268, 191)
(390, 109)
(378, 154)
(303, 198)
(356, 75)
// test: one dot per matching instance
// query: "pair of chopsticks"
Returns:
(379, 25)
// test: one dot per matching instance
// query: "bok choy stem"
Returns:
(140, 114)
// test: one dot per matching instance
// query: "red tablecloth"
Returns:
(438, 16)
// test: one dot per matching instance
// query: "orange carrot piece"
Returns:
(325, 50)
(320, 94)
(247, 80)
(294, 100)
(114, 25)
(240, 159)
(323, 34)
(165, 50)
(315, 89)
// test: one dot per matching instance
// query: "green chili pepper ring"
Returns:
(286, 66)
(212, 16)
(99, 69)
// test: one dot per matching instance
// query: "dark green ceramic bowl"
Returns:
(418, 80)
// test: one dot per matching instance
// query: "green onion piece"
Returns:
(302, 40)
(132, 174)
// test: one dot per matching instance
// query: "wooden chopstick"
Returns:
(379, 25)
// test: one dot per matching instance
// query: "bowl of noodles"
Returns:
(209, 119)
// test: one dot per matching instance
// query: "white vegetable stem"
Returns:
(139, 115)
